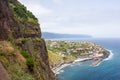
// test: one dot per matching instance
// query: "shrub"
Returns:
(64, 58)
(20, 10)
(25, 54)
(10, 38)
(23, 15)
(29, 60)
(31, 15)
(30, 64)
(33, 21)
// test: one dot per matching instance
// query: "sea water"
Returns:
(109, 69)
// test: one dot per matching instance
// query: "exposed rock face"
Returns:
(4, 19)
(28, 37)
(8, 25)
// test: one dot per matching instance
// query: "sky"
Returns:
(98, 18)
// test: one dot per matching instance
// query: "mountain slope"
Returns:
(48, 35)
(23, 53)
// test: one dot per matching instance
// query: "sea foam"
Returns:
(110, 56)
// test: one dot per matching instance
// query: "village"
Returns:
(76, 49)
(67, 52)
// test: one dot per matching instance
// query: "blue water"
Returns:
(107, 70)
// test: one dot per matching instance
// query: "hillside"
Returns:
(49, 35)
(23, 54)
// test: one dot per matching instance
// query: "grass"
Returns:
(54, 58)
(16, 73)
(14, 62)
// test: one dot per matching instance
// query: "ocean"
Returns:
(109, 69)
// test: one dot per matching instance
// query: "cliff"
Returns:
(23, 54)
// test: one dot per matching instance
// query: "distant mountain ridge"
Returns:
(50, 35)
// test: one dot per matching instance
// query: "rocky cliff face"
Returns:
(6, 22)
(21, 29)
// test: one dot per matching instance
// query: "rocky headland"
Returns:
(71, 52)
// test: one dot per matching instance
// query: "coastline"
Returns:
(108, 55)
(57, 70)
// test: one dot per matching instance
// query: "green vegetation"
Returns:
(14, 62)
(54, 58)
(30, 61)
(22, 14)
(25, 54)
(16, 73)
(10, 38)
(30, 64)
(20, 65)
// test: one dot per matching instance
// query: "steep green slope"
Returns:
(23, 52)
(14, 62)
(22, 14)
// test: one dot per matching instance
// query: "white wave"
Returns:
(110, 56)
(71, 65)
(59, 69)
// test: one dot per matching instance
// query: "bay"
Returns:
(108, 70)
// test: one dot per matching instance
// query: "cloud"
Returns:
(99, 18)
(36, 7)
(57, 1)
(107, 30)
(39, 10)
